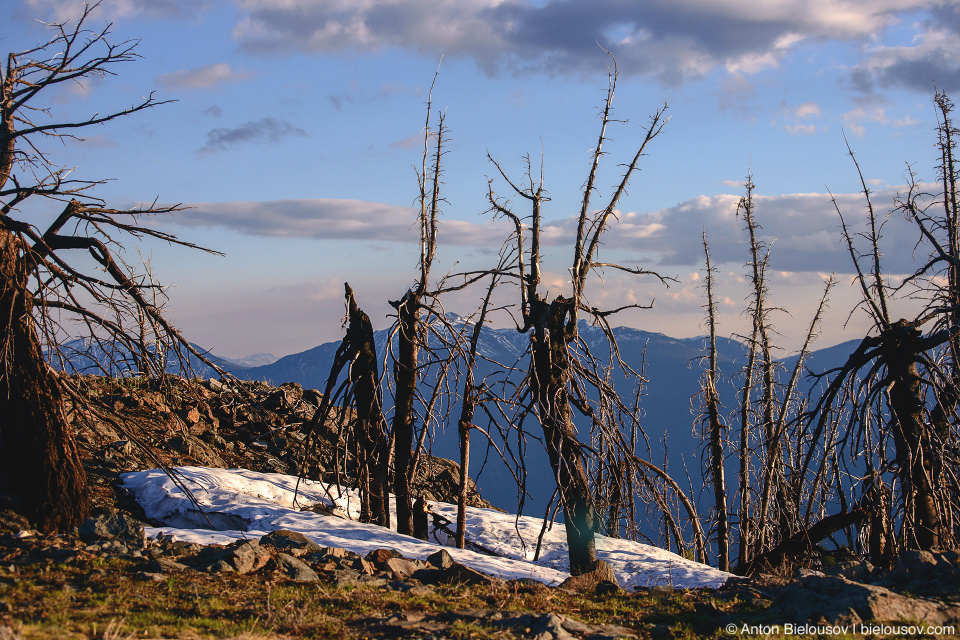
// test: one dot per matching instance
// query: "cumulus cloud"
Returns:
(932, 57)
(206, 77)
(265, 129)
(671, 39)
(803, 230)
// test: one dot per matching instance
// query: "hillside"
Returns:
(106, 581)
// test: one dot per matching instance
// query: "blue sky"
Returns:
(297, 124)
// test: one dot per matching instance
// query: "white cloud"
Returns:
(206, 77)
(807, 110)
(854, 118)
(803, 229)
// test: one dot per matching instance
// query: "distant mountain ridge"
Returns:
(673, 368)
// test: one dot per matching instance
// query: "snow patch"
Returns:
(238, 503)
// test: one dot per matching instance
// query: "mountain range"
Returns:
(672, 368)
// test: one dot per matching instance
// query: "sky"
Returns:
(295, 127)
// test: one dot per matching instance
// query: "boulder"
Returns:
(111, 525)
(379, 557)
(401, 568)
(600, 572)
(291, 542)
(296, 569)
(441, 559)
(245, 556)
(834, 599)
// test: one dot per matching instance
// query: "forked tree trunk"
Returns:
(911, 433)
(39, 456)
(551, 376)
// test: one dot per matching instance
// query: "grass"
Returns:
(108, 599)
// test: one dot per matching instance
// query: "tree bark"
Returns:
(911, 433)
(405, 373)
(373, 448)
(40, 459)
(551, 335)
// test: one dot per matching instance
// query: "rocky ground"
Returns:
(107, 581)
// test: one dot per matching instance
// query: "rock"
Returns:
(441, 559)
(401, 568)
(165, 565)
(295, 569)
(379, 557)
(914, 566)
(600, 571)
(312, 396)
(109, 524)
(364, 566)
(547, 626)
(292, 542)
(337, 552)
(244, 556)
(838, 600)
(858, 571)
(462, 574)
(353, 578)
(284, 398)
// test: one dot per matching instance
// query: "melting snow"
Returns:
(247, 504)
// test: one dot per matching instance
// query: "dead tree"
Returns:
(711, 415)
(900, 384)
(42, 286)
(555, 380)
(772, 436)
(469, 401)
(358, 405)
(410, 331)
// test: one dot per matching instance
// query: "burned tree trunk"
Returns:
(914, 448)
(715, 427)
(550, 376)
(40, 459)
(556, 379)
(367, 424)
(404, 414)
(372, 447)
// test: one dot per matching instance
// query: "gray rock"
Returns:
(401, 568)
(245, 556)
(836, 599)
(858, 571)
(914, 566)
(462, 574)
(292, 542)
(111, 525)
(295, 569)
(548, 626)
(441, 559)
